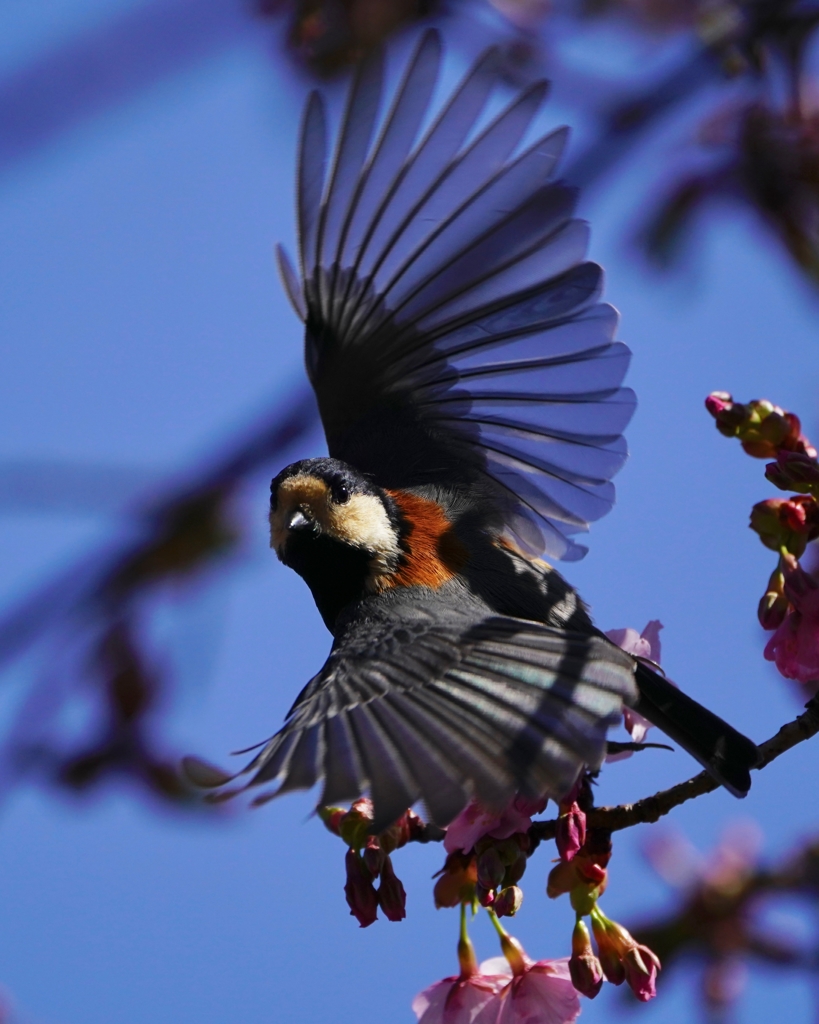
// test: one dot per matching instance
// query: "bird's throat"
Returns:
(336, 573)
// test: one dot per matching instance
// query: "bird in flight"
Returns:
(470, 388)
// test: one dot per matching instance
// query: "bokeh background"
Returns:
(146, 166)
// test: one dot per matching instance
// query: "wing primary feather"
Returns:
(395, 140)
(304, 765)
(392, 786)
(443, 139)
(350, 155)
(442, 787)
(487, 262)
(290, 280)
(473, 169)
(272, 762)
(344, 776)
(310, 178)
(500, 197)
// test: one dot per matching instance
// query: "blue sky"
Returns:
(142, 321)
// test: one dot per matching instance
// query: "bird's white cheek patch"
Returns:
(363, 523)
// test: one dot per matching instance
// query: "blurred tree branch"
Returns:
(100, 604)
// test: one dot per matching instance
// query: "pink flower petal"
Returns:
(630, 641)
(652, 634)
(543, 995)
(474, 1000)
(474, 822)
(471, 824)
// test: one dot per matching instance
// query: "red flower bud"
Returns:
(584, 967)
(359, 890)
(571, 831)
(391, 895)
(484, 896)
(590, 871)
(508, 901)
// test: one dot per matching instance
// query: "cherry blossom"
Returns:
(475, 821)
(542, 993)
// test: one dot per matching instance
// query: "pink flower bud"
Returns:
(641, 966)
(491, 868)
(794, 471)
(508, 901)
(359, 890)
(391, 896)
(571, 831)
(608, 948)
(788, 523)
(622, 958)
(584, 967)
(612, 967)
(718, 402)
(484, 896)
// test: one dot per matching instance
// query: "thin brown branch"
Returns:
(652, 808)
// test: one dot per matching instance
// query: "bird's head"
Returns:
(336, 529)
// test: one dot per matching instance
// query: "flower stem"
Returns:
(466, 951)
(511, 948)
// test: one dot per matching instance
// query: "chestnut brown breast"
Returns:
(433, 553)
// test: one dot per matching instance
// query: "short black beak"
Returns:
(299, 521)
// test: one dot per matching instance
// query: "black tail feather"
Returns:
(725, 754)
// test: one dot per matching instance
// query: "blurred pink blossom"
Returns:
(542, 993)
(474, 822)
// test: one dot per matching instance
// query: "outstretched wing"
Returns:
(452, 330)
(419, 702)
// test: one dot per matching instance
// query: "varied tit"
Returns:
(470, 389)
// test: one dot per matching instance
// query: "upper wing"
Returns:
(452, 328)
(420, 702)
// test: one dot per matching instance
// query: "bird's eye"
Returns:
(341, 495)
